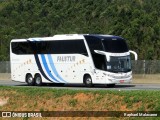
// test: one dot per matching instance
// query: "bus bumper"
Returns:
(119, 81)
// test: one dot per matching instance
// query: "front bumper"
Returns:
(112, 80)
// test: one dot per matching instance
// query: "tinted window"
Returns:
(66, 47)
(99, 61)
(21, 48)
(115, 45)
(94, 43)
(50, 47)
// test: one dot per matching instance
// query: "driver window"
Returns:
(99, 61)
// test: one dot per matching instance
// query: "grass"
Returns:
(46, 99)
(72, 102)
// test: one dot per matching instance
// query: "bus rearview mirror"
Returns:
(134, 53)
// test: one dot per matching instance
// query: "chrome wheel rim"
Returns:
(30, 79)
(88, 81)
(38, 80)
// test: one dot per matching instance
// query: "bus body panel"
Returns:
(58, 68)
(64, 68)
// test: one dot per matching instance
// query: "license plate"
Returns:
(121, 81)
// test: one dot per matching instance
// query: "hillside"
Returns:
(136, 20)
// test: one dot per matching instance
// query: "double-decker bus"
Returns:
(71, 58)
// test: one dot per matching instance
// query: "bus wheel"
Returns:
(38, 80)
(88, 81)
(29, 80)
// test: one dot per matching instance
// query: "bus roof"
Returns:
(66, 36)
(101, 36)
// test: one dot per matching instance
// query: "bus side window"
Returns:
(96, 44)
(99, 61)
(15, 47)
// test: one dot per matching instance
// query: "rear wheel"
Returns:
(88, 81)
(38, 80)
(29, 80)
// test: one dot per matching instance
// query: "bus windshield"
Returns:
(119, 64)
(115, 45)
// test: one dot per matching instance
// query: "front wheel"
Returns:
(88, 81)
(38, 80)
(29, 80)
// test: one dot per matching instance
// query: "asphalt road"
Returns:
(82, 87)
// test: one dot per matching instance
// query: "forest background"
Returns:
(138, 21)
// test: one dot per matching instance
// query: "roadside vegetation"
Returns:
(46, 99)
(136, 20)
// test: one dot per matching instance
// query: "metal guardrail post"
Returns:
(144, 67)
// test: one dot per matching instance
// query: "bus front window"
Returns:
(119, 64)
(117, 45)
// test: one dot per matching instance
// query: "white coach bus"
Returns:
(83, 59)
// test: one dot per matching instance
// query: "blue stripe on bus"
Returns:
(47, 68)
(54, 68)
(40, 67)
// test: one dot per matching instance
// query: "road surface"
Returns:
(82, 87)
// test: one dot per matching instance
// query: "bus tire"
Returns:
(38, 80)
(29, 80)
(88, 81)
